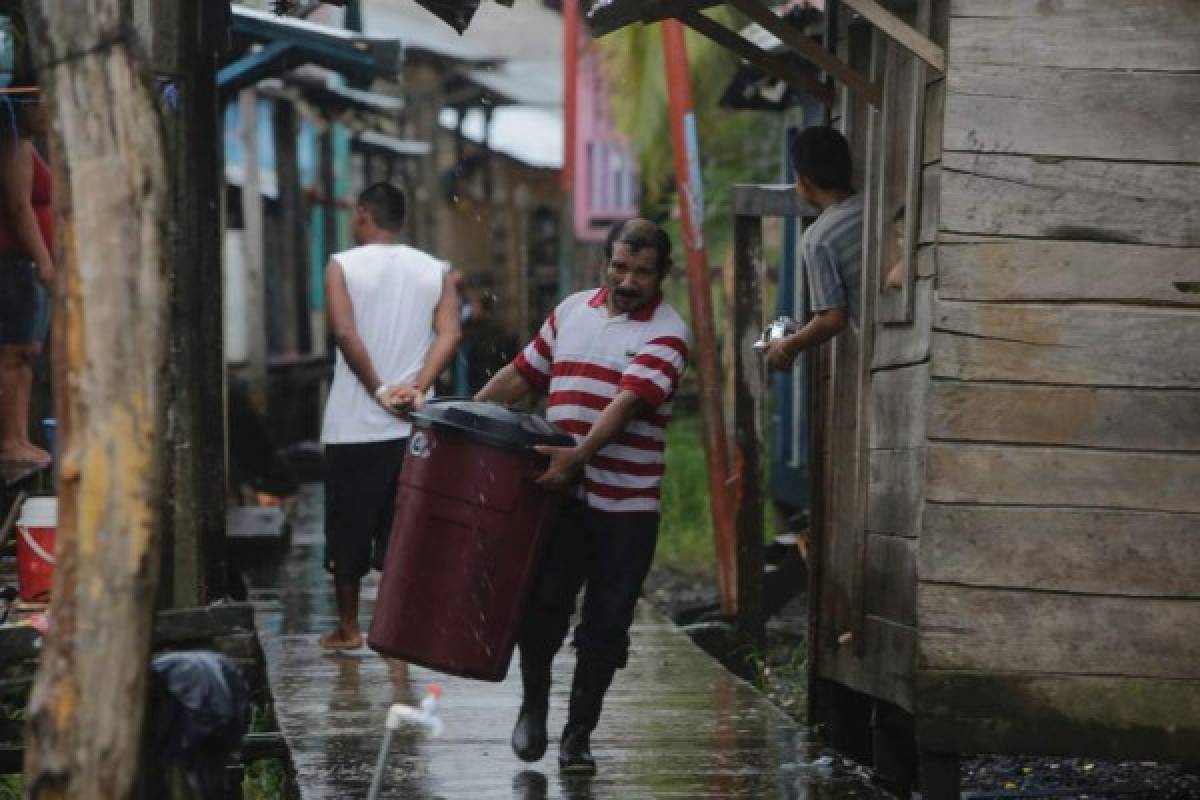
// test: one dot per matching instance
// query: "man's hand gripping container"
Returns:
(466, 539)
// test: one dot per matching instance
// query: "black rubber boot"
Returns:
(529, 734)
(591, 682)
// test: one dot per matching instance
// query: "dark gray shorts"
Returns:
(360, 498)
(24, 304)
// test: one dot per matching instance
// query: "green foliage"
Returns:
(264, 780)
(262, 717)
(786, 680)
(685, 533)
(11, 787)
(685, 537)
(735, 146)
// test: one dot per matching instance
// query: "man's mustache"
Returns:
(630, 293)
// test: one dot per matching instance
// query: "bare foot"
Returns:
(338, 639)
(24, 453)
(13, 452)
(36, 454)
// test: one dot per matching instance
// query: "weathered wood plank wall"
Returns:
(870, 564)
(1058, 562)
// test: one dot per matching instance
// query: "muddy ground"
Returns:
(690, 599)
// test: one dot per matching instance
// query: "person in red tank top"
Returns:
(26, 269)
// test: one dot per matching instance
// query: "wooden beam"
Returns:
(291, 268)
(749, 388)
(768, 62)
(252, 242)
(810, 50)
(712, 416)
(194, 565)
(901, 32)
(258, 746)
(771, 200)
(816, 371)
(860, 457)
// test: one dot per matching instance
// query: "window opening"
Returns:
(894, 171)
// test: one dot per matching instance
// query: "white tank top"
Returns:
(394, 291)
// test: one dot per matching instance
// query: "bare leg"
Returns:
(346, 636)
(12, 424)
(27, 357)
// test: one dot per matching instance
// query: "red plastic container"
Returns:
(466, 539)
(36, 529)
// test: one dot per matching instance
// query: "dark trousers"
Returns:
(608, 554)
(360, 498)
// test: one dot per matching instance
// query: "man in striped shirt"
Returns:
(831, 247)
(609, 361)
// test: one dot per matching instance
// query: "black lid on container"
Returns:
(491, 423)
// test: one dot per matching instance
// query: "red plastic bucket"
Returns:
(36, 528)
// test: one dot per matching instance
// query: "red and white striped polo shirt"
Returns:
(581, 358)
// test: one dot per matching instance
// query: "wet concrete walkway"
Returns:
(676, 725)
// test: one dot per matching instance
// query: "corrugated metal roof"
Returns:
(367, 101)
(761, 37)
(288, 42)
(528, 83)
(401, 147)
(533, 136)
(294, 23)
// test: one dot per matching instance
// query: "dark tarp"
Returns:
(455, 13)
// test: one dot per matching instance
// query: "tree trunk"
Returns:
(85, 712)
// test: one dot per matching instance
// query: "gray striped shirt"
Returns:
(832, 252)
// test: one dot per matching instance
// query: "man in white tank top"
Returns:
(394, 317)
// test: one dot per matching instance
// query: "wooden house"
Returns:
(1006, 450)
(1058, 573)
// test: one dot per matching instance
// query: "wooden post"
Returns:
(816, 374)
(570, 12)
(566, 244)
(916, 42)
(85, 712)
(252, 238)
(749, 389)
(423, 94)
(195, 516)
(691, 207)
(326, 193)
(293, 231)
(327, 176)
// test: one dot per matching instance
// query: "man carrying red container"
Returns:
(609, 361)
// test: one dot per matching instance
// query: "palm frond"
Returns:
(734, 146)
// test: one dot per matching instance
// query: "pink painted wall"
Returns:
(605, 182)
